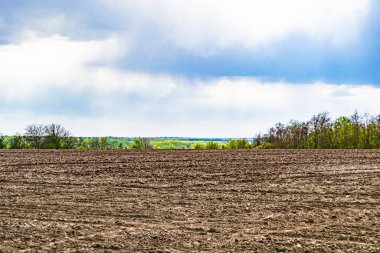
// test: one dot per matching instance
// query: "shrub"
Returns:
(141, 144)
(2, 141)
(199, 145)
(103, 143)
(17, 142)
(265, 145)
(69, 142)
(212, 145)
(243, 144)
(238, 144)
(232, 144)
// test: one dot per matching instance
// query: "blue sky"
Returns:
(185, 68)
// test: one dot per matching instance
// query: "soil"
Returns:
(190, 201)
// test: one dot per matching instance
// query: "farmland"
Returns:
(190, 200)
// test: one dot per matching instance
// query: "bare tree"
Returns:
(298, 133)
(257, 140)
(55, 136)
(356, 120)
(319, 124)
(35, 135)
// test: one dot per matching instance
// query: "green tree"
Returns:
(120, 145)
(212, 145)
(232, 144)
(2, 141)
(243, 144)
(142, 144)
(198, 146)
(84, 143)
(95, 143)
(373, 136)
(103, 143)
(69, 142)
(17, 142)
(342, 133)
(265, 145)
(357, 131)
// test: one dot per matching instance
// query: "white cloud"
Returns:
(40, 63)
(245, 93)
(285, 101)
(53, 61)
(144, 104)
(208, 26)
(208, 109)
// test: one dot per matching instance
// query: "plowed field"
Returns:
(176, 201)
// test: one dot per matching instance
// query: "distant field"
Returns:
(157, 142)
(181, 144)
(188, 200)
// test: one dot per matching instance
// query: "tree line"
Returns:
(53, 136)
(232, 144)
(321, 132)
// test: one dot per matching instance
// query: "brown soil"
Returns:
(190, 201)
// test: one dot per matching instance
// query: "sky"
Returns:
(189, 68)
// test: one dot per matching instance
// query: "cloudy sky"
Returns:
(191, 68)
